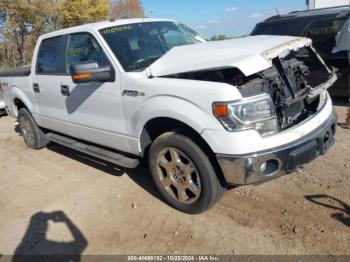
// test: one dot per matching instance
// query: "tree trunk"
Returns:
(14, 59)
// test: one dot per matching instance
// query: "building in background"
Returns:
(314, 4)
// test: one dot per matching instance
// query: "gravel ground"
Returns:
(56, 200)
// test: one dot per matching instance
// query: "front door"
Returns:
(94, 110)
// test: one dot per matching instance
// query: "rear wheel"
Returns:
(33, 136)
(183, 173)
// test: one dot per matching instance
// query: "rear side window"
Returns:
(50, 57)
(83, 48)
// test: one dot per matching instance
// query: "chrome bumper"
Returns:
(264, 166)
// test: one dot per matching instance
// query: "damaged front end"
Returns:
(277, 98)
(292, 84)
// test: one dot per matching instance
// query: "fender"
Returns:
(17, 93)
(171, 107)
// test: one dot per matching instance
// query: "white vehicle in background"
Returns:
(205, 115)
(2, 104)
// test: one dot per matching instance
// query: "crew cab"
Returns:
(205, 115)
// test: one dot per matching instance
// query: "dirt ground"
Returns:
(57, 200)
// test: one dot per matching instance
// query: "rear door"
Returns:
(46, 84)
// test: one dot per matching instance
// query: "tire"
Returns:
(184, 174)
(33, 136)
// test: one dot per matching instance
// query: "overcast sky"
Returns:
(213, 17)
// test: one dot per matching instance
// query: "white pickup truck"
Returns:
(205, 115)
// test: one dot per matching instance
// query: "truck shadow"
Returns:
(343, 214)
(79, 94)
(139, 175)
(35, 246)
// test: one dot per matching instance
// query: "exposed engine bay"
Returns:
(290, 83)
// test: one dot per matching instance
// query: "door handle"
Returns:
(36, 88)
(65, 90)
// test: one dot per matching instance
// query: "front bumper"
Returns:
(267, 165)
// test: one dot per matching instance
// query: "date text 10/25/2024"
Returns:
(173, 258)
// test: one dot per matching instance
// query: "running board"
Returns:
(110, 156)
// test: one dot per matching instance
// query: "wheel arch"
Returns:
(19, 104)
(160, 125)
(157, 126)
(20, 100)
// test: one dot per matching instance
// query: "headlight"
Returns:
(256, 112)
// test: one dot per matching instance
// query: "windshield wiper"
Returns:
(144, 63)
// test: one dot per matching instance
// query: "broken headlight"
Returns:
(256, 112)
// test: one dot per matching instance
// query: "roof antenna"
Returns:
(277, 12)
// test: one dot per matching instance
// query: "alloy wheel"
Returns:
(178, 175)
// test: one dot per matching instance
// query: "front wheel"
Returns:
(183, 173)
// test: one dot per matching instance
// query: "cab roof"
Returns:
(103, 24)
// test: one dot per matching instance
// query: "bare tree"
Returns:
(127, 9)
(24, 21)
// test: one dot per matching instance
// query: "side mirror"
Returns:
(87, 72)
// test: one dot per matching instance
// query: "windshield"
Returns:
(138, 45)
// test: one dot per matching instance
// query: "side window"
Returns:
(49, 60)
(323, 32)
(82, 48)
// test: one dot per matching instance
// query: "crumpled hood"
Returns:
(249, 54)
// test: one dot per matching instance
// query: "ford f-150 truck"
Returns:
(206, 115)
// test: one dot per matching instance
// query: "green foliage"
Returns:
(19, 25)
(219, 38)
(77, 12)
(26, 20)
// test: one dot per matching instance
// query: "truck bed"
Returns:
(19, 71)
